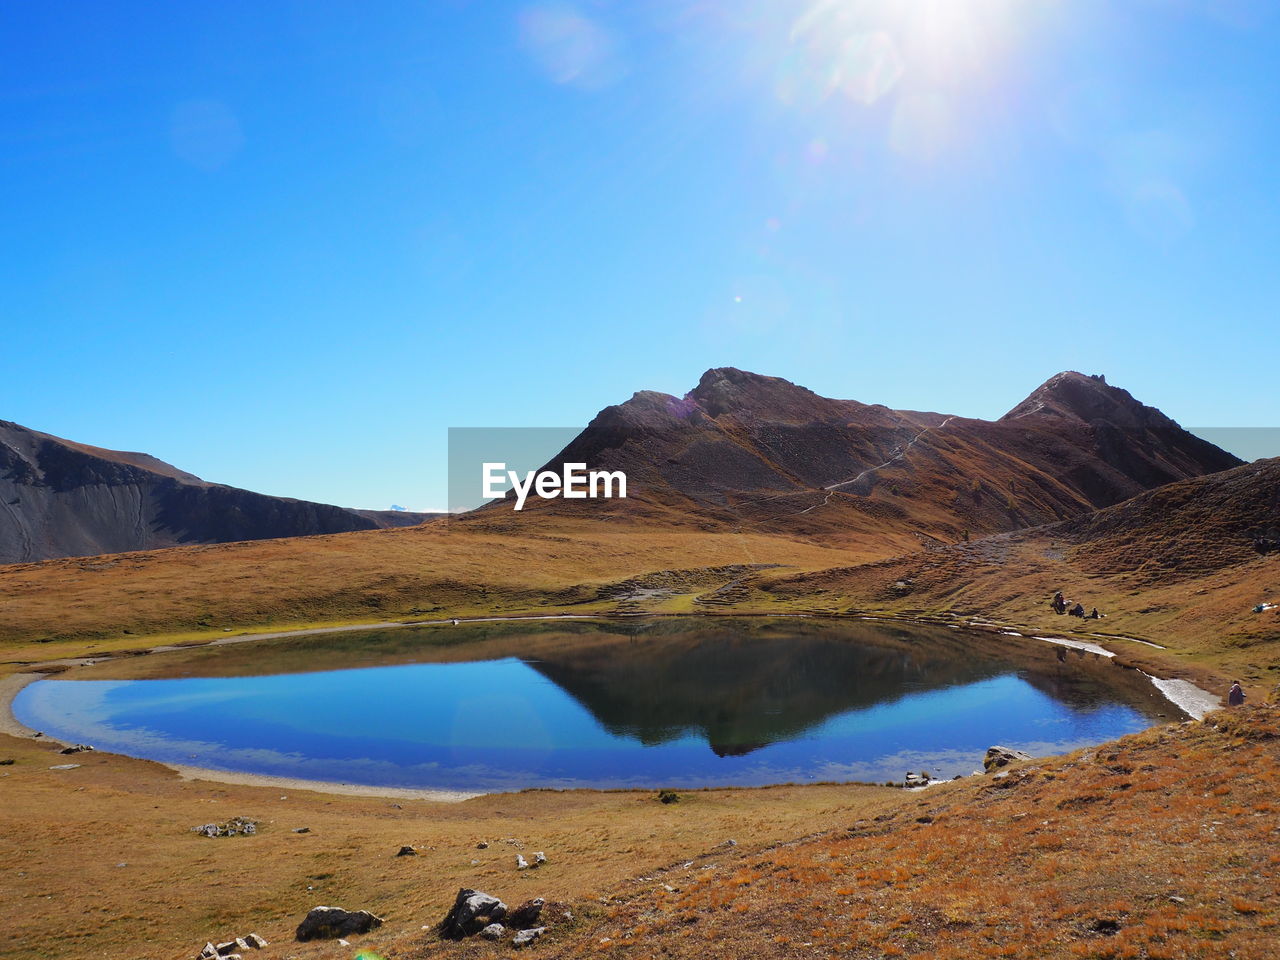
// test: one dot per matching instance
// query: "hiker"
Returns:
(1078, 611)
(1235, 696)
(1059, 603)
(1095, 615)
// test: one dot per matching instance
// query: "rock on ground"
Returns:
(472, 911)
(231, 948)
(236, 826)
(526, 937)
(998, 757)
(329, 923)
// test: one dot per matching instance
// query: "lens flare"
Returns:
(569, 47)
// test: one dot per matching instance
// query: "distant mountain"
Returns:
(755, 451)
(64, 499)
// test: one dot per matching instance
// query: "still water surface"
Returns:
(678, 703)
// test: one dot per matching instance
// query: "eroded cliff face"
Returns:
(63, 499)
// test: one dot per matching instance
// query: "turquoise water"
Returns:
(660, 704)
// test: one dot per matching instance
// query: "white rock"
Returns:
(526, 937)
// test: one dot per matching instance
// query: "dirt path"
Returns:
(902, 452)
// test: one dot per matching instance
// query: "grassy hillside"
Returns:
(426, 572)
(1176, 566)
(1160, 845)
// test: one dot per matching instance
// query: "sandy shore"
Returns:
(320, 786)
(9, 687)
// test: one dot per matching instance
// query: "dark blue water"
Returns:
(677, 704)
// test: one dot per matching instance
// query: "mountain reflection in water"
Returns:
(586, 703)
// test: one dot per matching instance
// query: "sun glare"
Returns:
(926, 61)
(865, 49)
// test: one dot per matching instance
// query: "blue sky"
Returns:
(287, 245)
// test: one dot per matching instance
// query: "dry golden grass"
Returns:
(101, 861)
(66, 607)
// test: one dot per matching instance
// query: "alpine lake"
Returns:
(646, 703)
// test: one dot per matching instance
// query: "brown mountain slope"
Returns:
(59, 498)
(746, 450)
(1183, 566)
(1195, 526)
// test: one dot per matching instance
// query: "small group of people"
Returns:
(1060, 605)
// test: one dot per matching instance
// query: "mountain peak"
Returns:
(1071, 395)
(724, 390)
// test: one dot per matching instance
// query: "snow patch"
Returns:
(1192, 700)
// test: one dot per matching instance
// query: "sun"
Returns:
(866, 49)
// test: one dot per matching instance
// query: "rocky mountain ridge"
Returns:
(756, 451)
(59, 498)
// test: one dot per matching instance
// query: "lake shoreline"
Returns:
(1192, 700)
